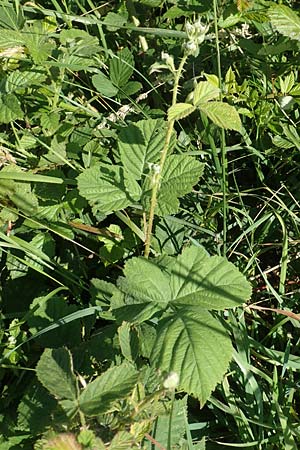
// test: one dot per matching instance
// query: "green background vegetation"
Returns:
(149, 224)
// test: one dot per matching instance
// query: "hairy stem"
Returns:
(157, 176)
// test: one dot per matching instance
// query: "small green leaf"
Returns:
(285, 20)
(113, 385)
(128, 341)
(121, 67)
(180, 110)
(22, 79)
(10, 108)
(55, 371)
(196, 346)
(222, 114)
(103, 85)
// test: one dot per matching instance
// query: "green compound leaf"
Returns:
(193, 344)
(114, 384)
(208, 282)
(180, 110)
(10, 108)
(140, 144)
(285, 21)
(55, 371)
(222, 114)
(104, 187)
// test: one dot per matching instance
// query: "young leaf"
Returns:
(55, 371)
(104, 188)
(222, 114)
(103, 85)
(180, 110)
(208, 282)
(286, 21)
(141, 144)
(114, 384)
(196, 346)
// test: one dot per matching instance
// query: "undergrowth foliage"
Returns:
(148, 183)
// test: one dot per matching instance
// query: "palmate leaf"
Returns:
(193, 344)
(140, 144)
(285, 20)
(209, 282)
(105, 188)
(114, 384)
(180, 174)
(222, 114)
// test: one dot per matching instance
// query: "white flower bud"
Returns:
(172, 381)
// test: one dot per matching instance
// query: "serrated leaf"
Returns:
(55, 372)
(10, 108)
(161, 432)
(180, 110)
(23, 79)
(103, 85)
(285, 20)
(114, 384)
(222, 114)
(204, 92)
(210, 282)
(104, 188)
(121, 67)
(128, 341)
(195, 346)
(140, 144)
(145, 281)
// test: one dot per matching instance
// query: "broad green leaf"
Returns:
(35, 411)
(285, 20)
(180, 174)
(121, 67)
(104, 188)
(113, 385)
(210, 282)
(131, 88)
(180, 110)
(114, 21)
(55, 371)
(196, 346)
(123, 440)
(222, 114)
(10, 108)
(103, 85)
(145, 282)
(136, 312)
(12, 40)
(204, 92)
(140, 144)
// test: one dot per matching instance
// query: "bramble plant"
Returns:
(122, 326)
